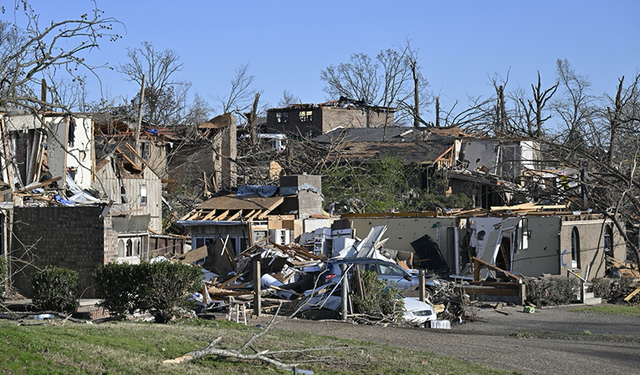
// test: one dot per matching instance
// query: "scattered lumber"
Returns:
(628, 298)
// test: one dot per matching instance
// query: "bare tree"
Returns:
(393, 79)
(287, 99)
(239, 98)
(165, 95)
(574, 106)
(533, 109)
(29, 51)
(621, 118)
(356, 79)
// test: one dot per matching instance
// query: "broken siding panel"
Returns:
(107, 182)
(153, 204)
(80, 152)
(57, 140)
(402, 231)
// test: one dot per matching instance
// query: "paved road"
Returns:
(515, 342)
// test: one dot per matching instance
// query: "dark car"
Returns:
(387, 271)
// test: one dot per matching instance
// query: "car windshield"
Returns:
(386, 270)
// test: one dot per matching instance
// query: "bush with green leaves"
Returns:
(55, 289)
(4, 275)
(551, 291)
(154, 287)
(118, 285)
(380, 300)
(165, 286)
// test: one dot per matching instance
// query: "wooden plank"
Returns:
(209, 215)
(234, 216)
(194, 255)
(142, 160)
(196, 213)
(222, 215)
(185, 217)
(636, 291)
(253, 216)
(247, 216)
(35, 186)
(495, 268)
(229, 281)
(128, 159)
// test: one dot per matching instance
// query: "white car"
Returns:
(417, 312)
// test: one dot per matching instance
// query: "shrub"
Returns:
(380, 300)
(4, 273)
(154, 287)
(118, 285)
(165, 285)
(552, 290)
(55, 289)
(613, 289)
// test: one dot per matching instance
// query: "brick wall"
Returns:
(70, 237)
(110, 241)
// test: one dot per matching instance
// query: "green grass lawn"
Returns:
(612, 309)
(140, 348)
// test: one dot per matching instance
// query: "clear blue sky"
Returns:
(288, 43)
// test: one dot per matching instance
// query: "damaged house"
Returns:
(203, 159)
(51, 214)
(129, 171)
(529, 241)
(68, 210)
(491, 171)
(255, 214)
(316, 119)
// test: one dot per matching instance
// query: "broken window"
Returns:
(204, 241)
(608, 240)
(282, 117)
(243, 244)
(232, 245)
(144, 150)
(306, 116)
(575, 248)
(143, 195)
(123, 195)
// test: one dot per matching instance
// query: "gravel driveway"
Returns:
(551, 341)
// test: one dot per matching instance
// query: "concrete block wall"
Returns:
(306, 202)
(69, 237)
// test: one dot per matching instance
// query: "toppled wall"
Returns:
(69, 237)
(401, 231)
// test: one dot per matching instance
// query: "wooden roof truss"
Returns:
(226, 215)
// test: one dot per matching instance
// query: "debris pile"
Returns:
(286, 272)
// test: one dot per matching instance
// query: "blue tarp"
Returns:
(263, 191)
